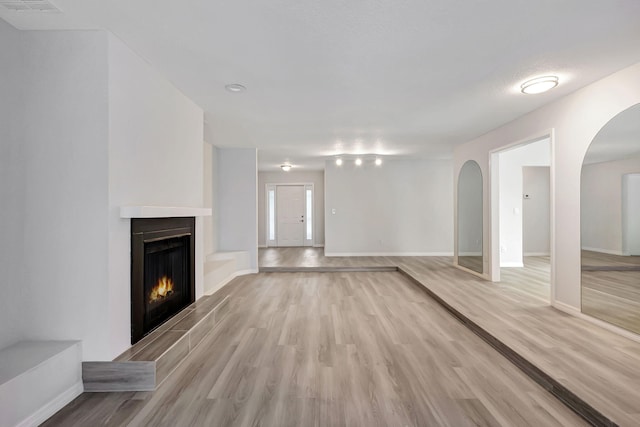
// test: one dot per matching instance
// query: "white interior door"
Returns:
(290, 215)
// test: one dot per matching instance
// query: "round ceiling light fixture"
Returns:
(339, 161)
(235, 88)
(286, 167)
(358, 161)
(378, 161)
(539, 85)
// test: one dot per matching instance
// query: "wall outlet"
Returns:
(333, 211)
(503, 249)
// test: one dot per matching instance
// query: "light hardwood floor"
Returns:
(600, 366)
(332, 349)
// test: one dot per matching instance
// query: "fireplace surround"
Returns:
(162, 271)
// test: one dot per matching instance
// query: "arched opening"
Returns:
(610, 223)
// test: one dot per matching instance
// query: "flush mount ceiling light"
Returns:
(339, 161)
(378, 161)
(235, 88)
(358, 161)
(539, 85)
(286, 167)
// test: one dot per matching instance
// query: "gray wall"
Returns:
(536, 210)
(400, 207)
(237, 201)
(297, 177)
(11, 184)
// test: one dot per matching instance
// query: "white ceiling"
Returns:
(392, 77)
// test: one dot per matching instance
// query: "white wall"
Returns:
(155, 159)
(536, 227)
(11, 185)
(66, 188)
(238, 202)
(296, 177)
(574, 121)
(601, 212)
(511, 163)
(401, 207)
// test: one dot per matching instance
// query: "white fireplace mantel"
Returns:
(162, 211)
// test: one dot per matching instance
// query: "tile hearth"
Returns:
(150, 361)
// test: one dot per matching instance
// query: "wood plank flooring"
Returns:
(601, 367)
(332, 349)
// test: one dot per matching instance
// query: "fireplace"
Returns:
(162, 271)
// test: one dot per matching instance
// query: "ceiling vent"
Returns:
(30, 6)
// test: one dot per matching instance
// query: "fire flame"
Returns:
(163, 288)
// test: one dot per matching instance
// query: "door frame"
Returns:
(267, 214)
(494, 207)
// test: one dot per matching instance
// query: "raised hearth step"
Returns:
(150, 361)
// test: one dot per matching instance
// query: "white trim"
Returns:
(54, 405)
(262, 246)
(536, 254)
(321, 245)
(511, 264)
(573, 311)
(470, 254)
(347, 254)
(604, 251)
(162, 211)
(494, 213)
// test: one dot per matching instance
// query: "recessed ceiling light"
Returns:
(339, 161)
(235, 88)
(286, 168)
(539, 85)
(378, 161)
(358, 161)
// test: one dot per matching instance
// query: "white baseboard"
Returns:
(348, 254)
(603, 251)
(62, 400)
(573, 311)
(511, 264)
(537, 254)
(470, 254)
(262, 246)
(319, 246)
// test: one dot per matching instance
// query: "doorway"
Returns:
(289, 215)
(521, 217)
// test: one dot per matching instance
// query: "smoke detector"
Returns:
(30, 6)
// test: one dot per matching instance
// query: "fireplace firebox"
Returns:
(162, 271)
